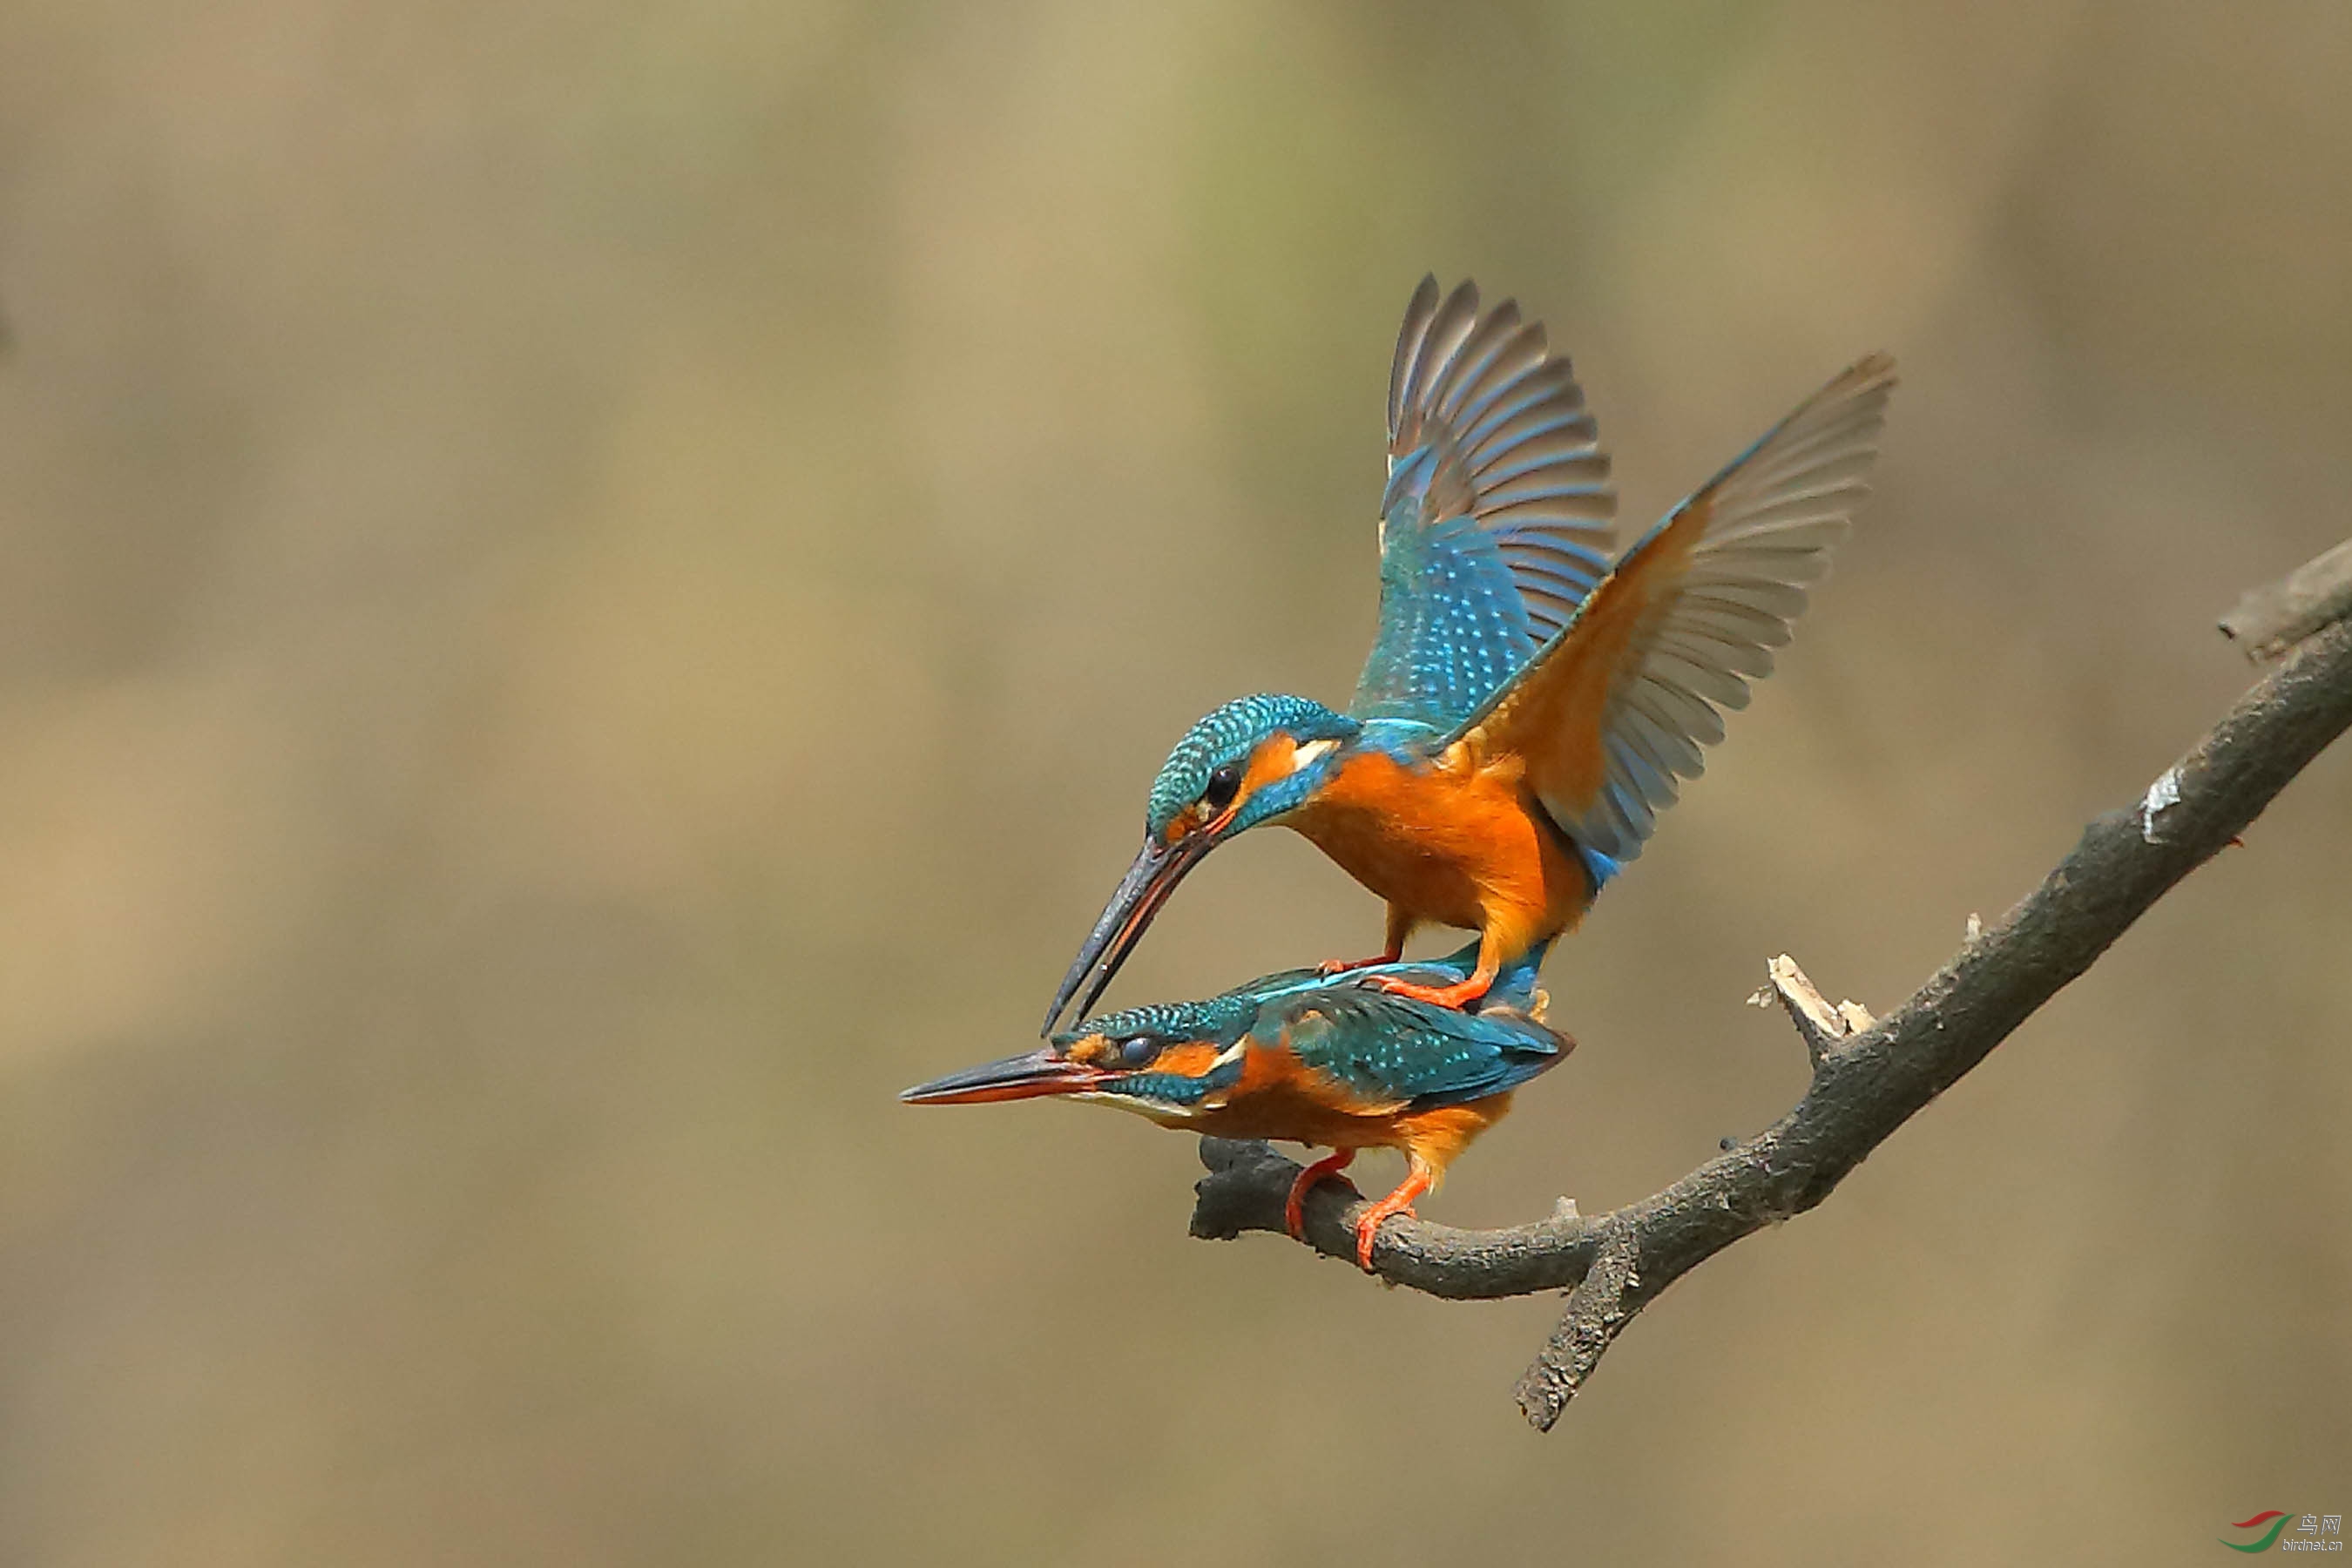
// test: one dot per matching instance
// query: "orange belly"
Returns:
(1436, 1136)
(1448, 845)
(1280, 1098)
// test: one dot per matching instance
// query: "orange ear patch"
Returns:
(1192, 1060)
(1276, 757)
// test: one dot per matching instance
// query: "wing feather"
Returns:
(1389, 1052)
(1497, 518)
(1500, 350)
(1617, 706)
(1487, 422)
(1419, 311)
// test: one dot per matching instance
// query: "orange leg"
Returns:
(1490, 964)
(1400, 924)
(1400, 927)
(1419, 1178)
(1342, 965)
(1294, 1209)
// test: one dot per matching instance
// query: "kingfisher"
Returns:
(1531, 702)
(1333, 1061)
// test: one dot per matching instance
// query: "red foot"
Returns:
(1456, 996)
(1342, 965)
(1294, 1209)
(1398, 1201)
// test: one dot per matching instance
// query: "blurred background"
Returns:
(592, 590)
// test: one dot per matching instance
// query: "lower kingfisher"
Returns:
(1529, 705)
(1305, 1058)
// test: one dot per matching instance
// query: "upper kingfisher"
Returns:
(1528, 706)
(1308, 1058)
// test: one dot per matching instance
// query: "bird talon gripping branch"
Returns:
(1293, 1208)
(1421, 1179)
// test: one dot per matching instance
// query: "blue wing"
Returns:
(1497, 516)
(1390, 1049)
(1386, 1050)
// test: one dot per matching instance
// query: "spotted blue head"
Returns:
(1252, 761)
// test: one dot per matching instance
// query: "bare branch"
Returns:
(2271, 619)
(1600, 1305)
(1819, 1025)
(1869, 1076)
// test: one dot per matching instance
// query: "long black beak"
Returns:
(1141, 893)
(1041, 1072)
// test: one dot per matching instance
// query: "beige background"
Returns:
(590, 591)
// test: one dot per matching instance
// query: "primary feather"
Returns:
(1614, 711)
(1496, 519)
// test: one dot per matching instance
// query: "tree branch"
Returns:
(2271, 619)
(1869, 1076)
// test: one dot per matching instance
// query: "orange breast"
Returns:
(1453, 845)
(1280, 1098)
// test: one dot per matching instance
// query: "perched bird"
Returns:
(1529, 705)
(1305, 1058)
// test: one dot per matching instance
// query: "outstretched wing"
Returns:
(1392, 1051)
(1497, 521)
(1615, 708)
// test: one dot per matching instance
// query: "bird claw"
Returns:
(1293, 1208)
(1367, 1229)
(1419, 1179)
(1456, 996)
(1348, 965)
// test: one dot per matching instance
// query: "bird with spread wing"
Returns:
(1532, 700)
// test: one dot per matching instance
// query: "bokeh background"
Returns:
(591, 590)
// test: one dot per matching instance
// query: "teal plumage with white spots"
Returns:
(1380, 1048)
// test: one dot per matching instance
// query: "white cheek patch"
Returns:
(1160, 1111)
(1311, 752)
(1217, 1100)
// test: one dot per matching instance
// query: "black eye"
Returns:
(1138, 1051)
(1224, 784)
